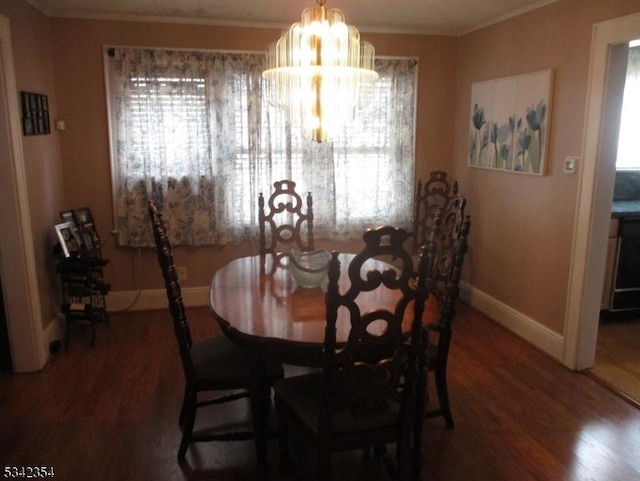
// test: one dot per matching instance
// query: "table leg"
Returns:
(260, 409)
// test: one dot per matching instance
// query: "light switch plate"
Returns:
(571, 165)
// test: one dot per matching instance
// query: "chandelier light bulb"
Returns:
(320, 73)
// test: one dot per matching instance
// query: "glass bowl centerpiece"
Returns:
(309, 268)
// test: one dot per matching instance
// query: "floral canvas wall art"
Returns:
(509, 123)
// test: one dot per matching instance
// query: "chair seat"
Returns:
(220, 364)
(303, 395)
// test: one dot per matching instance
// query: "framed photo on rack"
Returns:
(88, 242)
(67, 239)
(87, 230)
(83, 217)
(68, 217)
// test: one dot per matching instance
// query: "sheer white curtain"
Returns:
(628, 147)
(194, 133)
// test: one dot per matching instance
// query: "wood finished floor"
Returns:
(617, 360)
(110, 413)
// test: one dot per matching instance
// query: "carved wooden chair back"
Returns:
(284, 221)
(430, 196)
(450, 248)
(172, 287)
(370, 381)
(450, 244)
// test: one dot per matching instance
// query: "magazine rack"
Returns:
(80, 268)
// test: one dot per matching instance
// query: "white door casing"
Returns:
(17, 260)
(593, 211)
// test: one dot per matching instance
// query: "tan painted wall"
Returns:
(80, 82)
(33, 61)
(522, 225)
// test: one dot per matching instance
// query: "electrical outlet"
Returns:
(182, 273)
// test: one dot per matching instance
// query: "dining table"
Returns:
(259, 306)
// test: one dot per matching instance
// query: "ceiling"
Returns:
(445, 17)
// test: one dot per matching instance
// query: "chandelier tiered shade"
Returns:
(320, 73)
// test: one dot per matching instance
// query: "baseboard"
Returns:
(525, 327)
(53, 332)
(532, 331)
(154, 299)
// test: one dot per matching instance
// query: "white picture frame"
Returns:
(67, 239)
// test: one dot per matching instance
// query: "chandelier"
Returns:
(320, 73)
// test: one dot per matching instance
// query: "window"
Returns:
(628, 157)
(192, 131)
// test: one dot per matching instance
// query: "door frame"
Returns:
(17, 260)
(593, 208)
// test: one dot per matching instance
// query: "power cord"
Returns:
(137, 277)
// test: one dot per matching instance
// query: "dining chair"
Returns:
(284, 222)
(210, 364)
(433, 194)
(365, 395)
(450, 247)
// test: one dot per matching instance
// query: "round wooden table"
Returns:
(259, 305)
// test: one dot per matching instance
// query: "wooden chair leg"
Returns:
(387, 459)
(283, 437)
(260, 399)
(403, 460)
(183, 409)
(443, 395)
(323, 464)
(189, 406)
(416, 448)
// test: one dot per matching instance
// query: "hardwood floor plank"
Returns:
(617, 363)
(111, 413)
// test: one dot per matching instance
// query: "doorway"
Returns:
(617, 357)
(594, 204)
